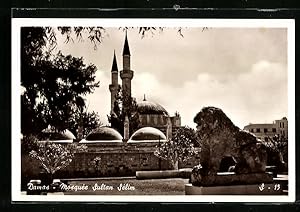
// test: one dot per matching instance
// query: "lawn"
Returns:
(131, 186)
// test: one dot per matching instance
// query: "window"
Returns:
(251, 130)
(265, 130)
(282, 125)
(274, 130)
(257, 130)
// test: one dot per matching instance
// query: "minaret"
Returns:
(126, 74)
(113, 87)
(169, 128)
(126, 128)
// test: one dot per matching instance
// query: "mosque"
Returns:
(123, 155)
(154, 120)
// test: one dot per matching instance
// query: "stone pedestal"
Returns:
(227, 179)
(255, 189)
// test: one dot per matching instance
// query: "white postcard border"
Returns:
(17, 23)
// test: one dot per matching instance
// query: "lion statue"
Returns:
(219, 137)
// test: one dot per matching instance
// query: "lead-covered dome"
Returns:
(147, 134)
(147, 107)
(64, 136)
(103, 134)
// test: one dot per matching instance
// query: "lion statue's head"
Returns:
(212, 119)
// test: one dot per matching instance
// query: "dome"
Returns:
(103, 134)
(147, 107)
(147, 134)
(65, 136)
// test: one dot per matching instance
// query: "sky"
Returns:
(243, 71)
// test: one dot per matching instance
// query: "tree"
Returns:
(54, 84)
(124, 105)
(180, 148)
(53, 157)
(277, 147)
(82, 123)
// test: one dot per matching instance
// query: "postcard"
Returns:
(153, 110)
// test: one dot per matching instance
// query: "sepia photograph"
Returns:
(167, 110)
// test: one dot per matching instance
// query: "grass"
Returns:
(173, 186)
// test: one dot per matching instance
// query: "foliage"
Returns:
(54, 85)
(124, 105)
(53, 157)
(96, 163)
(94, 34)
(278, 143)
(180, 148)
(278, 146)
(28, 143)
(82, 123)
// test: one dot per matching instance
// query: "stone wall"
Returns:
(117, 159)
(120, 159)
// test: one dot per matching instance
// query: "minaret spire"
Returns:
(126, 50)
(126, 74)
(144, 97)
(114, 86)
(114, 64)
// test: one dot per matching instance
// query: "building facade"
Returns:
(263, 131)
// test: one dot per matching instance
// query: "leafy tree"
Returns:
(29, 143)
(124, 105)
(54, 84)
(53, 157)
(82, 123)
(180, 148)
(277, 151)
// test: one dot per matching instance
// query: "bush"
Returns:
(180, 148)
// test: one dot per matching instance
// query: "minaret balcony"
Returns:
(126, 74)
(113, 87)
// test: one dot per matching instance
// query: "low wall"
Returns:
(117, 159)
(120, 159)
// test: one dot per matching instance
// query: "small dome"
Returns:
(147, 134)
(65, 136)
(103, 134)
(146, 107)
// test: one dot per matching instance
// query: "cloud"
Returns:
(258, 95)
(224, 52)
(242, 71)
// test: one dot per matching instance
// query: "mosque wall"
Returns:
(117, 159)
(121, 159)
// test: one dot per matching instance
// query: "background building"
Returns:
(263, 131)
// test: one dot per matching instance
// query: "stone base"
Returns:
(269, 189)
(226, 179)
(161, 174)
